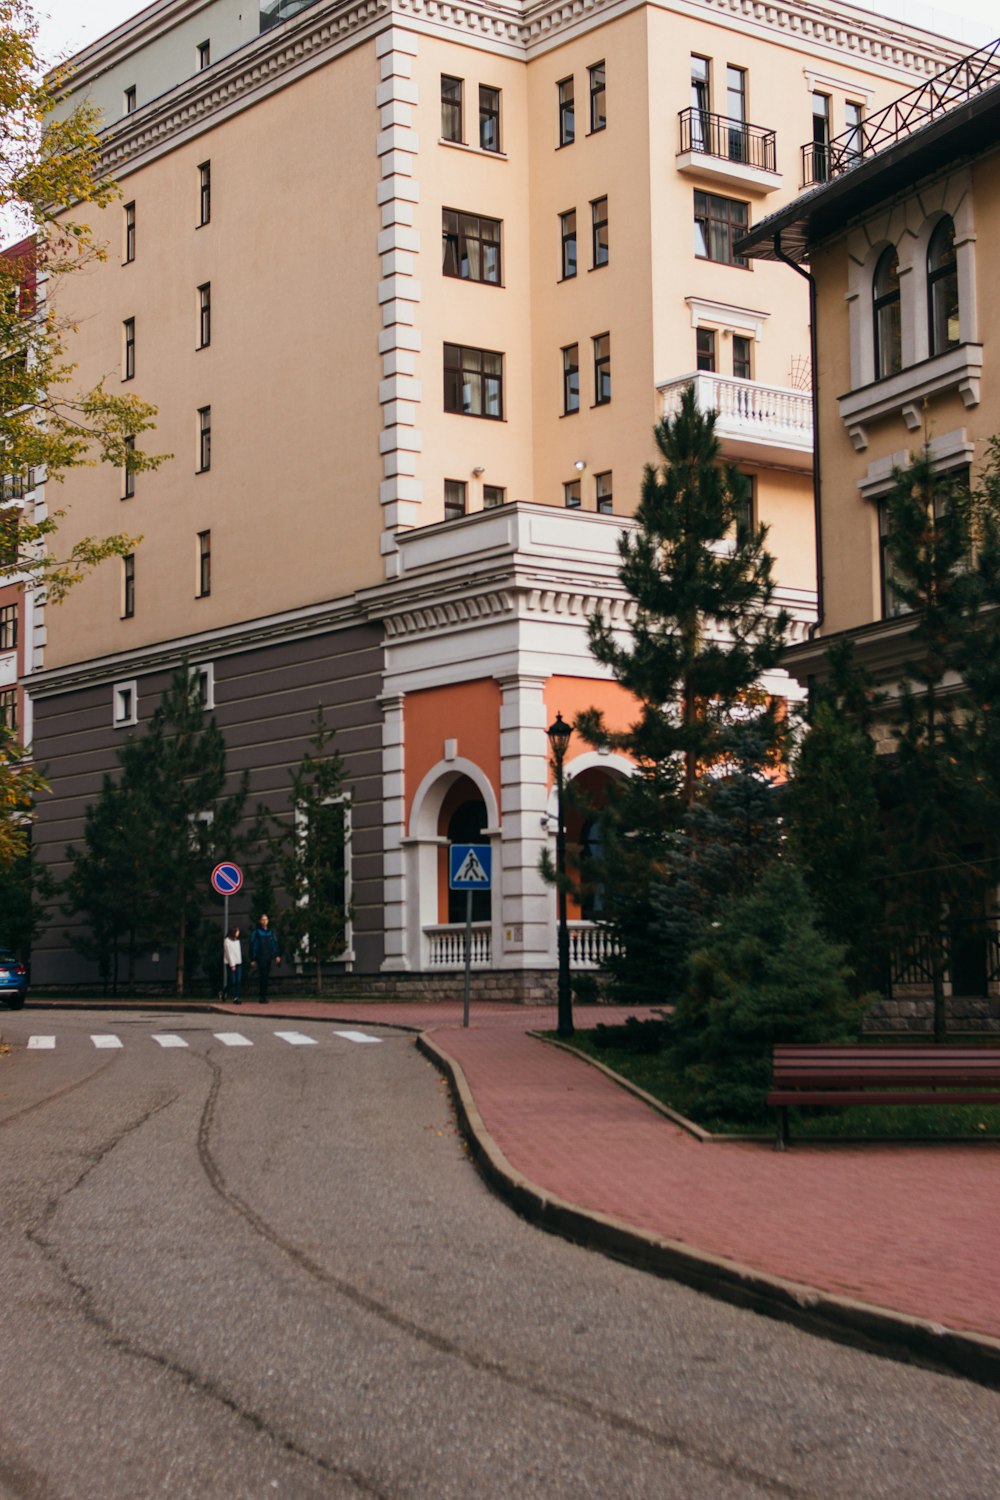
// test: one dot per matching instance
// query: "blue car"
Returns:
(13, 979)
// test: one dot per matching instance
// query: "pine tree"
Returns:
(705, 628)
(310, 854)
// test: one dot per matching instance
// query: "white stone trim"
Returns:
(726, 315)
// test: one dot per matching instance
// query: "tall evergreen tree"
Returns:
(310, 854)
(704, 630)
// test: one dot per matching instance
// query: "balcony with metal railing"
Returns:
(767, 423)
(727, 150)
(964, 80)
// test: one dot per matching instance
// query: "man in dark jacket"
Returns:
(263, 953)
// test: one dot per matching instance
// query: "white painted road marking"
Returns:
(232, 1039)
(357, 1036)
(107, 1041)
(167, 1039)
(297, 1038)
(39, 1043)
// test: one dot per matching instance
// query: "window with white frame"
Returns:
(203, 683)
(124, 704)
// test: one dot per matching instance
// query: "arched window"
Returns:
(465, 826)
(592, 899)
(942, 288)
(885, 306)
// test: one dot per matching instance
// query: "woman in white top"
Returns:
(232, 952)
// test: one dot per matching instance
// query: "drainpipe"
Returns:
(814, 363)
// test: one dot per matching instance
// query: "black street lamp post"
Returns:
(559, 734)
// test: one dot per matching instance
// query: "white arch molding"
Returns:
(440, 778)
(590, 760)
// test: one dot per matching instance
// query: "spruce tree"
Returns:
(705, 628)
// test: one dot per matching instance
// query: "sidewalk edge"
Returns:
(877, 1330)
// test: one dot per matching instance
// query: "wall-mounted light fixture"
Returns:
(479, 469)
(580, 464)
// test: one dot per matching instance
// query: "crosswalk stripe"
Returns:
(232, 1039)
(41, 1043)
(107, 1041)
(167, 1039)
(357, 1036)
(297, 1038)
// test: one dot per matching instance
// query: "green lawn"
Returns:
(657, 1074)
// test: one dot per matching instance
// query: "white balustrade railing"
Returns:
(446, 945)
(589, 945)
(745, 407)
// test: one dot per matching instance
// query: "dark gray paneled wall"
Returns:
(265, 700)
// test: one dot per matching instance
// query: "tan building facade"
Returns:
(410, 287)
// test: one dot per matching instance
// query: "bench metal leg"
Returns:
(781, 1141)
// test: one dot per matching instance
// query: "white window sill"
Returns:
(958, 369)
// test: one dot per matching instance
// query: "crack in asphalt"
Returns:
(69, 1088)
(483, 1364)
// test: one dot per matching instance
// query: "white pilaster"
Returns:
(394, 815)
(526, 916)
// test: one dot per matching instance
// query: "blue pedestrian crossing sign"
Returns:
(470, 867)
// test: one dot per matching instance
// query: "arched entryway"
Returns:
(455, 803)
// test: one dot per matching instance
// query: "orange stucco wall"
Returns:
(571, 695)
(468, 712)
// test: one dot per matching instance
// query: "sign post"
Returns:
(226, 881)
(470, 868)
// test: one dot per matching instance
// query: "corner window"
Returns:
(128, 349)
(571, 379)
(128, 586)
(205, 315)
(454, 499)
(602, 369)
(124, 704)
(489, 118)
(470, 247)
(598, 97)
(205, 193)
(128, 472)
(204, 439)
(493, 495)
(886, 311)
(567, 113)
(942, 288)
(705, 341)
(603, 492)
(451, 108)
(567, 231)
(571, 494)
(599, 217)
(718, 224)
(128, 213)
(204, 565)
(473, 381)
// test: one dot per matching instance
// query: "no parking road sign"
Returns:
(227, 878)
(470, 867)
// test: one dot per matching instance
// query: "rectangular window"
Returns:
(205, 193)
(204, 55)
(8, 627)
(603, 490)
(493, 495)
(10, 541)
(473, 381)
(736, 111)
(451, 108)
(129, 248)
(571, 494)
(854, 145)
(128, 586)
(602, 369)
(205, 315)
(701, 124)
(128, 349)
(599, 214)
(204, 438)
(8, 709)
(571, 379)
(470, 247)
(203, 682)
(454, 499)
(125, 703)
(567, 230)
(746, 510)
(705, 339)
(742, 357)
(598, 97)
(567, 113)
(128, 472)
(821, 137)
(489, 118)
(204, 564)
(129, 100)
(718, 224)
(892, 604)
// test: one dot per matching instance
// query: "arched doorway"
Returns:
(463, 814)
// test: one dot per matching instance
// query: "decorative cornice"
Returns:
(277, 57)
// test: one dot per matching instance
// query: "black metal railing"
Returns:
(964, 80)
(731, 140)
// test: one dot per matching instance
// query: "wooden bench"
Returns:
(907, 1073)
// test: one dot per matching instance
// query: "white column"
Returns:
(393, 830)
(526, 929)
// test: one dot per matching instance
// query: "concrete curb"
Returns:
(878, 1330)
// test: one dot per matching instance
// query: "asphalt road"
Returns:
(245, 1271)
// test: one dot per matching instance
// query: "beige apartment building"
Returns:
(898, 244)
(410, 285)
